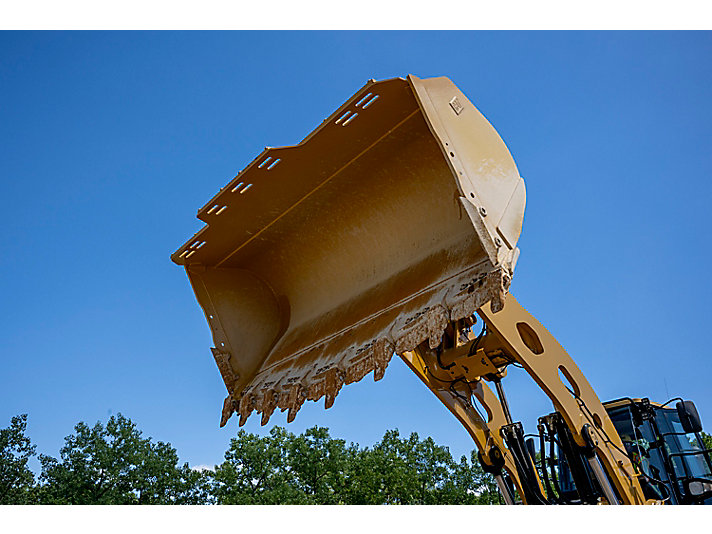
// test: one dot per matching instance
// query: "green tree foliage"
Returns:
(403, 471)
(116, 465)
(256, 471)
(321, 466)
(412, 471)
(314, 468)
(707, 440)
(16, 478)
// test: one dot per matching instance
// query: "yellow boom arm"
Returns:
(456, 372)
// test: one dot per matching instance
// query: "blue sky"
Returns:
(110, 142)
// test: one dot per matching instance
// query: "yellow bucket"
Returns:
(319, 261)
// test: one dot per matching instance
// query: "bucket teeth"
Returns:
(359, 368)
(475, 293)
(436, 324)
(243, 419)
(294, 401)
(245, 407)
(334, 381)
(227, 410)
(269, 403)
(382, 353)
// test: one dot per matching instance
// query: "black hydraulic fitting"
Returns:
(496, 461)
(591, 440)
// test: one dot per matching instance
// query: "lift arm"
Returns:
(455, 372)
(456, 396)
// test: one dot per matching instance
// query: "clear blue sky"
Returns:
(110, 142)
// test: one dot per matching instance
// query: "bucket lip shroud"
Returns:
(496, 217)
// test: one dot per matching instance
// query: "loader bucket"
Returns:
(319, 261)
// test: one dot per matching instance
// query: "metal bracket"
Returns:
(457, 393)
(517, 335)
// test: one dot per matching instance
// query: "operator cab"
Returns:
(664, 445)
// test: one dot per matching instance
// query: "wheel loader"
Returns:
(392, 229)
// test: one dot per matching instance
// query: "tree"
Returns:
(16, 479)
(115, 465)
(381, 475)
(408, 471)
(321, 466)
(256, 471)
(413, 471)
(471, 485)
(314, 468)
(706, 440)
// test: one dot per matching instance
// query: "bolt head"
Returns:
(483, 211)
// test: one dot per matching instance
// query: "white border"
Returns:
(346, 519)
(364, 14)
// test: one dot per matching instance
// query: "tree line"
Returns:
(113, 463)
